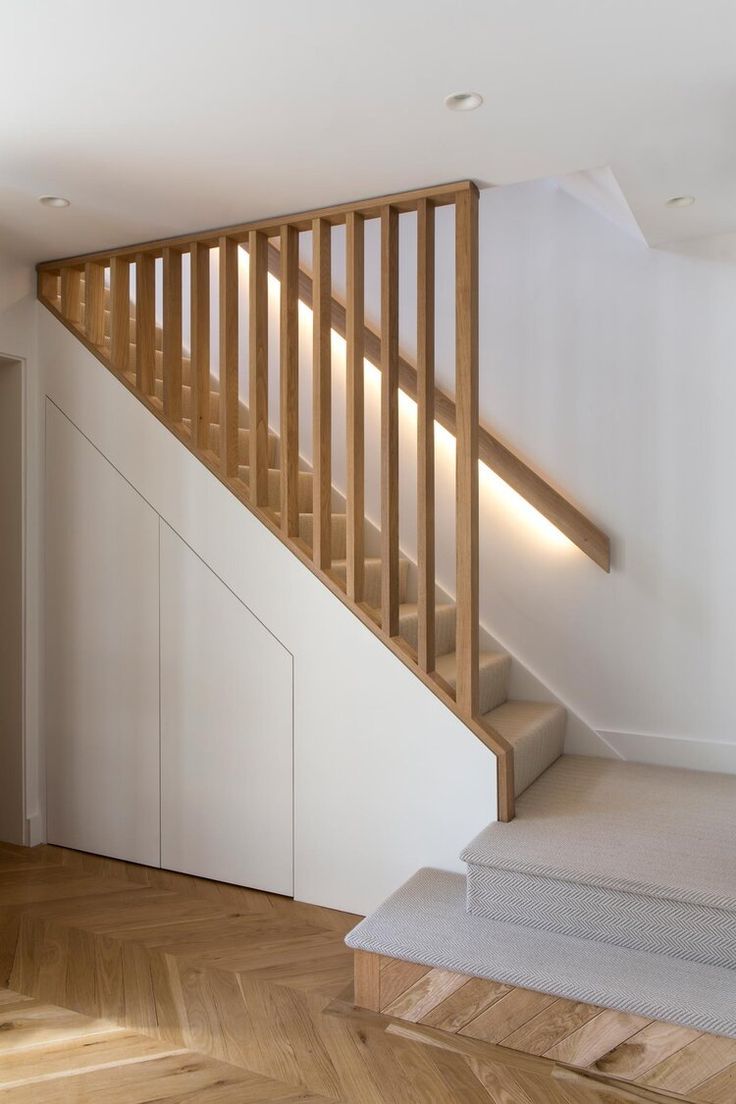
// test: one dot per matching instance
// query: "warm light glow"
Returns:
(490, 483)
(524, 512)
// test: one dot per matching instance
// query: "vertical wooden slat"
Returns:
(390, 421)
(322, 393)
(425, 436)
(229, 356)
(258, 367)
(466, 388)
(289, 400)
(145, 322)
(120, 308)
(355, 414)
(200, 341)
(94, 303)
(71, 294)
(172, 336)
(48, 286)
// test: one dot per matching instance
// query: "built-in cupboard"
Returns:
(168, 708)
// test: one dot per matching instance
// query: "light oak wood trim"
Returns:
(71, 294)
(145, 322)
(120, 310)
(322, 394)
(466, 387)
(48, 285)
(425, 437)
(367, 976)
(172, 334)
(199, 283)
(354, 333)
(229, 388)
(390, 421)
(94, 303)
(580, 1044)
(441, 194)
(487, 735)
(289, 400)
(258, 368)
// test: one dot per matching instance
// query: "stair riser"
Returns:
(339, 541)
(274, 488)
(186, 401)
(444, 630)
(372, 581)
(677, 928)
(493, 677)
(244, 445)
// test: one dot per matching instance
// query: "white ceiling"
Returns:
(158, 117)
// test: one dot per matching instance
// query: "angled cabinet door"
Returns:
(102, 704)
(226, 731)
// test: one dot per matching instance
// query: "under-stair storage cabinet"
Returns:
(226, 731)
(102, 653)
(169, 705)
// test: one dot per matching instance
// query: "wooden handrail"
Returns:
(491, 450)
(403, 202)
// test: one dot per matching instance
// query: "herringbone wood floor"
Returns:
(186, 990)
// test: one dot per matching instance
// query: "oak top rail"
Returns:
(440, 196)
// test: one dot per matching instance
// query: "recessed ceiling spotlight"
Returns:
(463, 101)
(681, 201)
(54, 201)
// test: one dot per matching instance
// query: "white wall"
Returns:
(385, 778)
(609, 367)
(18, 341)
(12, 811)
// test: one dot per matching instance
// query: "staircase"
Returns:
(437, 637)
(611, 893)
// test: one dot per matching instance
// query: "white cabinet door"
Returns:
(226, 731)
(102, 658)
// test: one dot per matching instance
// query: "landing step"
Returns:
(425, 922)
(641, 856)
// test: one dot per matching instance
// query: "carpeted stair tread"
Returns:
(306, 529)
(274, 487)
(536, 730)
(186, 396)
(624, 826)
(372, 578)
(425, 921)
(445, 617)
(493, 668)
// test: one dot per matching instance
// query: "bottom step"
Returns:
(425, 922)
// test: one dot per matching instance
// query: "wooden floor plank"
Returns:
(507, 1014)
(646, 1049)
(595, 1038)
(550, 1026)
(242, 995)
(699, 1061)
(720, 1089)
(457, 1010)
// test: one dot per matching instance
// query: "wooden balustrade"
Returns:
(198, 417)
